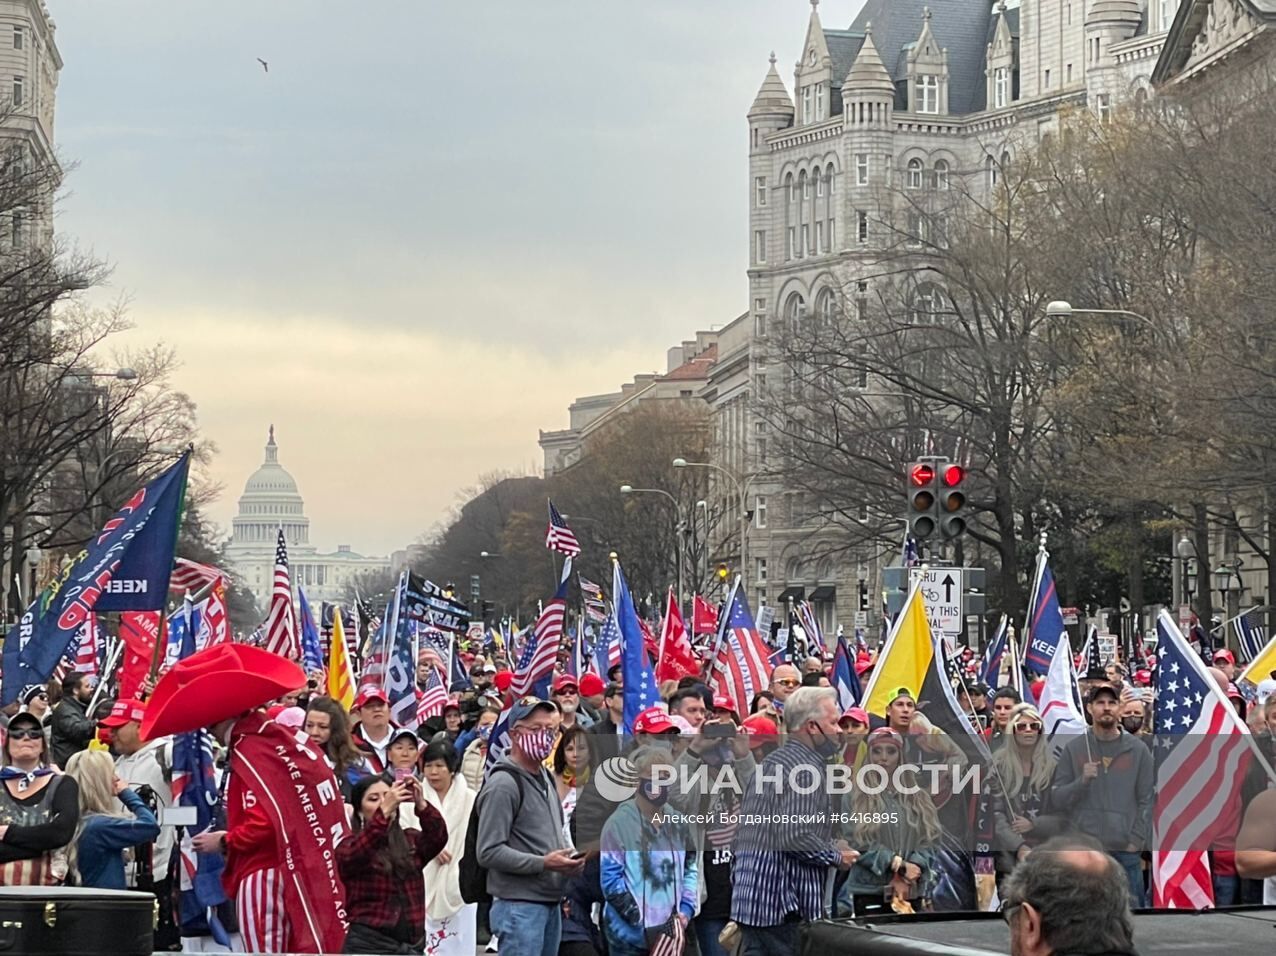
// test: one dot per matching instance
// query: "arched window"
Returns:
(990, 168)
(826, 307)
(825, 572)
(941, 174)
(1005, 161)
(914, 173)
(794, 311)
(928, 302)
(793, 569)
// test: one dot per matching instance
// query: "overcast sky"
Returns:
(425, 230)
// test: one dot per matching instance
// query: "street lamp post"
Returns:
(678, 524)
(742, 491)
(1060, 309)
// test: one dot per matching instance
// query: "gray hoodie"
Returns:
(520, 820)
(1116, 806)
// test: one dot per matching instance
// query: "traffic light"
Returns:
(723, 571)
(952, 500)
(923, 496)
(486, 608)
(475, 588)
(863, 595)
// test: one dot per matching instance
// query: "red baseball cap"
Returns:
(723, 702)
(855, 713)
(760, 727)
(863, 665)
(654, 720)
(591, 685)
(502, 680)
(563, 681)
(1223, 654)
(123, 712)
(370, 692)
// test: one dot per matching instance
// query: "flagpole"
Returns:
(106, 675)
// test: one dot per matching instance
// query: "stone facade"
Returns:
(271, 501)
(912, 92)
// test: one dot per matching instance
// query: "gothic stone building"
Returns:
(917, 89)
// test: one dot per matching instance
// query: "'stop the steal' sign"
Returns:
(425, 601)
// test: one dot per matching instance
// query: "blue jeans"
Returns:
(1132, 863)
(707, 931)
(527, 929)
(1225, 890)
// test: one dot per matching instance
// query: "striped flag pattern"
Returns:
(559, 537)
(86, 654)
(281, 623)
(741, 664)
(1201, 754)
(433, 697)
(540, 650)
(340, 671)
(1252, 637)
(192, 576)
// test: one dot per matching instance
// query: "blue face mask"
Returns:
(485, 733)
(826, 746)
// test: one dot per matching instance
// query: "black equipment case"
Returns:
(74, 921)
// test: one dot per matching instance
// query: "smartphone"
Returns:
(178, 817)
(402, 773)
(723, 729)
(578, 855)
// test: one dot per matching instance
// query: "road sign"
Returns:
(861, 619)
(475, 631)
(1107, 648)
(941, 593)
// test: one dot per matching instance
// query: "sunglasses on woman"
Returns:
(1034, 727)
(31, 733)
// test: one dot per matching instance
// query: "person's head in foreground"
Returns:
(1068, 897)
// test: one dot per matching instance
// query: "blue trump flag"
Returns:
(110, 573)
(641, 689)
(990, 667)
(845, 680)
(311, 652)
(1045, 620)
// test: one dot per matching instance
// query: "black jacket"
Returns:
(72, 730)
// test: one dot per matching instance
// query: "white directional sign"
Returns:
(941, 594)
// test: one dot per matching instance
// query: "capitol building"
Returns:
(271, 501)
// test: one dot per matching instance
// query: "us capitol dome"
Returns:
(272, 501)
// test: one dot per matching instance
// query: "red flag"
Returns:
(676, 659)
(649, 641)
(704, 617)
(139, 630)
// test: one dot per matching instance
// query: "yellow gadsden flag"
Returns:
(1261, 667)
(905, 658)
(340, 673)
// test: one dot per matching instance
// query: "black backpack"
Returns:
(472, 877)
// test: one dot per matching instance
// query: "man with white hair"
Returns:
(784, 848)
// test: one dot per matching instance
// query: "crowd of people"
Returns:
(537, 853)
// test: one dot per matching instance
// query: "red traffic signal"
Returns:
(921, 474)
(953, 475)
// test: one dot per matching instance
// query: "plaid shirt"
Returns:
(377, 898)
(784, 847)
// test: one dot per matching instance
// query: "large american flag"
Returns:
(559, 537)
(86, 655)
(1202, 753)
(741, 663)
(433, 697)
(540, 650)
(281, 622)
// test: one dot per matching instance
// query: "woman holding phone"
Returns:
(382, 866)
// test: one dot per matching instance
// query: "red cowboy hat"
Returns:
(216, 683)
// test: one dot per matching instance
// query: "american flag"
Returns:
(911, 555)
(607, 651)
(740, 665)
(1202, 752)
(540, 650)
(281, 622)
(1251, 636)
(192, 576)
(433, 697)
(592, 595)
(671, 940)
(811, 625)
(559, 537)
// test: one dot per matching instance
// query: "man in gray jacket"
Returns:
(521, 842)
(1103, 784)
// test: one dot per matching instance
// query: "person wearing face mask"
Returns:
(648, 865)
(1134, 715)
(520, 840)
(778, 872)
(474, 760)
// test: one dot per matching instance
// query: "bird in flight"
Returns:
(264, 65)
